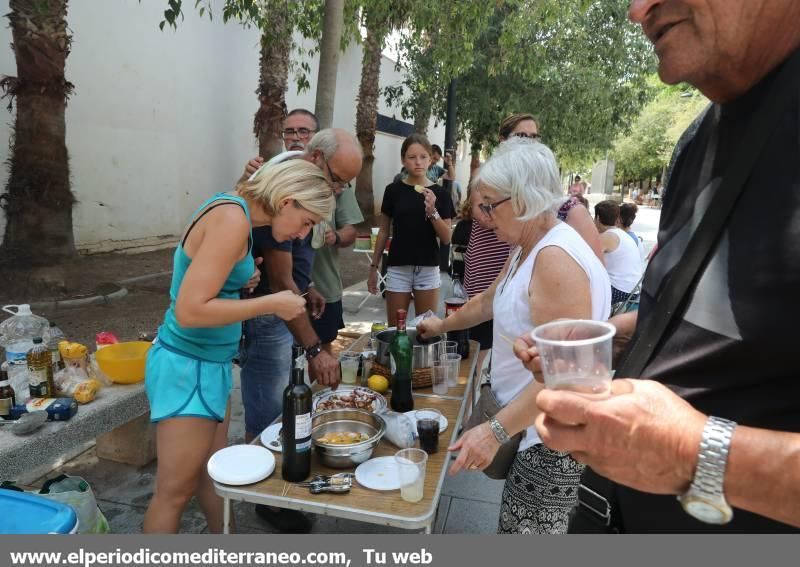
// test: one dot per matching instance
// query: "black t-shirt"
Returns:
(733, 354)
(302, 257)
(414, 240)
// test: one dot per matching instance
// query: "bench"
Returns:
(118, 420)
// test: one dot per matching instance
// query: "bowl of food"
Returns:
(345, 438)
(123, 363)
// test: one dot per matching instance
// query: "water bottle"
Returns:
(17, 332)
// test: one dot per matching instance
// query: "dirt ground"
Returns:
(142, 310)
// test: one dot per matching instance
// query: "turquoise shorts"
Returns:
(181, 385)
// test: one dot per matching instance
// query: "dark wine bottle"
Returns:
(400, 352)
(296, 431)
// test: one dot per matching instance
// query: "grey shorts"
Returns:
(405, 279)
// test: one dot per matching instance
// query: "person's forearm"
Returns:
(763, 473)
(218, 312)
(476, 311)
(347, 235)
(521, 412)
(443, 229)
(302, 331)
(380, 246)
(625, 324)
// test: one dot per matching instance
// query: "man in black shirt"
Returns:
(718, 423)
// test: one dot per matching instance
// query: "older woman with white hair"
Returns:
(551, 273)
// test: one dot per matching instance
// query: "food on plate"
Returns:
(359, 398)
(342, 438)
(419, 189)
(378, 383)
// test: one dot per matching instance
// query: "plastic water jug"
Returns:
(17, 332)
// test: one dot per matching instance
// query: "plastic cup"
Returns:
(576, 355)
(453, 365)
(411, 465)
(349, 363)
(440, 377)
(428, 421)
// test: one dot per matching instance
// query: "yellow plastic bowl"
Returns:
(124, 363)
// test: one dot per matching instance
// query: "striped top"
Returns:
(483, 260)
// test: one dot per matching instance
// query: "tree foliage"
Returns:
(645, 150)
(578, 65)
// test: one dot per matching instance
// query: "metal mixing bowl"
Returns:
(354, 420)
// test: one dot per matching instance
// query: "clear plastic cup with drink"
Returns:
(411, 465)
(349, 363)
(440, 376)
(576, 355)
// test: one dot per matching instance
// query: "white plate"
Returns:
(241, 464)
(443, 423)
(271, 437)
(379, 473)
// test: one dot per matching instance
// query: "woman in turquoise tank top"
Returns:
(188, 377)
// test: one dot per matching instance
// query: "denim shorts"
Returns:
(266, 360)
(180, 385)
(405, 279)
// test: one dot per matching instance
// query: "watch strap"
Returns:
(313, 351)
(712, 460)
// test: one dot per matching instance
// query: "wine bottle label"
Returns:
(392, 364)
(302, 426)
(5, 406)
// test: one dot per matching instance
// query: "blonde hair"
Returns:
(292, 179)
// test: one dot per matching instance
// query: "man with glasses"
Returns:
(266, 350)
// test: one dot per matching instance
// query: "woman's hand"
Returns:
(478, 447)
(430, 327)
(525, 350)
(430, 202)
(288, 305)
(372, 281)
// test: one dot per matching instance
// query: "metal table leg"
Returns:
(226, 515)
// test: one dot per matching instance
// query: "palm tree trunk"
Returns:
(366, 120)
(330, 46)
(38, 201)
(273, 81)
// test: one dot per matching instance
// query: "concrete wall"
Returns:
(161, 120)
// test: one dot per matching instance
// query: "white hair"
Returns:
(327, 142)
(526, 171)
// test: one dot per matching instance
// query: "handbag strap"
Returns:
(672, 297)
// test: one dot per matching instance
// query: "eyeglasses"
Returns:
(335, 180)
(299, 132)
(487, 209)
(526, 135)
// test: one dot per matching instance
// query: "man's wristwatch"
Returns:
(705, 499)
(499, 431)
(313, 351)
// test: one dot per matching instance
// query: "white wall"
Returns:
(161, 120)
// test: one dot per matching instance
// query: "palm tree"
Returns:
(38, 201)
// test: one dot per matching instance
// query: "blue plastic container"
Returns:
(25, 513)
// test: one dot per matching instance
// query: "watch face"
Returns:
(707, 512)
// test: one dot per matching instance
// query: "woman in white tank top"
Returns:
(551, 273)
(623, 260)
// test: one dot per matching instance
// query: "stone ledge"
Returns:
(116, 405)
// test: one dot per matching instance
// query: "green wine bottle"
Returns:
(400, 352)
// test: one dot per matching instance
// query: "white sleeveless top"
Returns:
(624, 264)
(512, 313)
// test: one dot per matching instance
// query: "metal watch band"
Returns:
(713, 457)
(499, 431)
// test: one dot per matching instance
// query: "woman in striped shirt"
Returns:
(483, 262)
